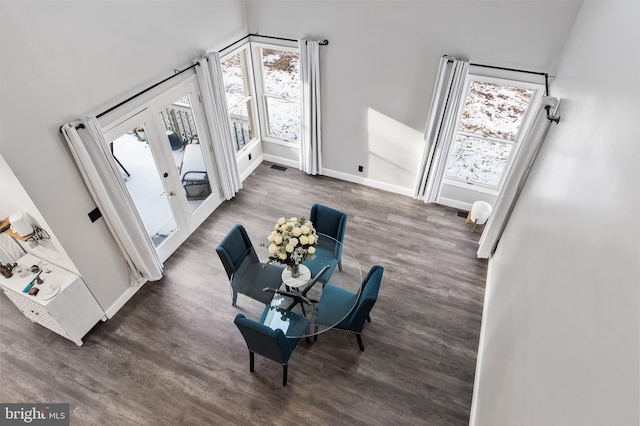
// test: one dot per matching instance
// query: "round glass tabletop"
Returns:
(298, 307)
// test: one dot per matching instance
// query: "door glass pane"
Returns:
(284, 118)
(478, 160)
(182, 134)
(133, 154)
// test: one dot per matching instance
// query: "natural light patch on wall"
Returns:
(394, 150)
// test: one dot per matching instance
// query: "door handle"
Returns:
(171, 194)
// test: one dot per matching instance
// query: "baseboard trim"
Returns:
(254, 165)
(369, 182)
(454, 203)
(281, 160)
(345, 176)
(124, 298)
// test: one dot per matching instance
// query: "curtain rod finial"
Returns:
(555, 119)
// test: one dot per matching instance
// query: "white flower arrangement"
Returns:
(292, 242)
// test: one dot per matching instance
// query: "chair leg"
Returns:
(315, 333)
(284, 374)
(340, 265)
(251, 361)
(368, 318)
(234, 297)
(360, 342)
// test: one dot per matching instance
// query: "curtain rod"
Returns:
(508, 69)
(177, 73)
(544, 74)
(322, 43)
(550, 117)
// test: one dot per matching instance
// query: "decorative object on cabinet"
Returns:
(20, 227)
(62, 303)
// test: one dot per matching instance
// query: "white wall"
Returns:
(379, 68)
(14, 200)
(70, 58)
(560, 334)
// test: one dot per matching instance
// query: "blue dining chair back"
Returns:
(233, 248)
(264, 341)
(235, 251)
(331, 222)
(334, 297)
(368, 297)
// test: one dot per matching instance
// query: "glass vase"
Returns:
(295, 270)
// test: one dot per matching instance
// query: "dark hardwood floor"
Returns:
(172, 355)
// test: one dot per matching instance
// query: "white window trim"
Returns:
(257, 127)
(538, 92)
(260, 95)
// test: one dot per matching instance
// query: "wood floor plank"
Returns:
(172, 354)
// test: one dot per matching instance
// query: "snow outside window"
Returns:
(491, 123)
(279, 90)
(236, 73)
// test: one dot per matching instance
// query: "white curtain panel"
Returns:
(214, 101)
(441, 127)
(516, 177)
(98, 168)
(311, 134)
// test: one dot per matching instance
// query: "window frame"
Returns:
(538, 91)
(250, 85)
(261, 96)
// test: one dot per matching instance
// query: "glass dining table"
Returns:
(291, 304)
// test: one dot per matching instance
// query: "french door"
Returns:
(167, 165)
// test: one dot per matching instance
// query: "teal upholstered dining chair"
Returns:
(264, 341)
(332, 223)
(333, 298)
(246, 273)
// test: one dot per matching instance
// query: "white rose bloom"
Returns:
(304, 240)
(289, 248)
(305, 229)
(293, 220)
(311, 250)
(296, 232)
(277, 239)
(293, 241)
(311, 239)
(281, 221)
(282, 256)
(271, 236)
(273, 249)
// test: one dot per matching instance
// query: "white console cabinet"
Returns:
(63, 304)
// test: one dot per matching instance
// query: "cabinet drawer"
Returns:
(36, 313)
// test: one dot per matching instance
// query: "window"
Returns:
(236, 73)
(491, 123)
(278, 83)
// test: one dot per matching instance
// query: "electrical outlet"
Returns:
(360, 169)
